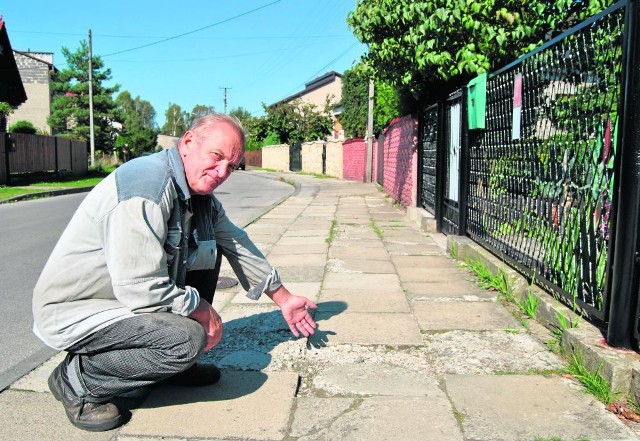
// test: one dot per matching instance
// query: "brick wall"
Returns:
(354, 157)
(400, 160)
(276, 157)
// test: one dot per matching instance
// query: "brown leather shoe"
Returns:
(93, 417)
(200, 374)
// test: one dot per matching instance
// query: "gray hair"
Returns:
(207, 122)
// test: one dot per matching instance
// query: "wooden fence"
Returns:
(22, 153)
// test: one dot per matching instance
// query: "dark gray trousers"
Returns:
(133, 353)
(139, 351)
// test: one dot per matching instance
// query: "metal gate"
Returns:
(453, 145)
(295, 157)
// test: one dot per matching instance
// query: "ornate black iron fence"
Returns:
(428, 141)
(541, 176)
(539, 183)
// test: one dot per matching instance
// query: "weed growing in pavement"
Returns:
(376, 229)
(529, 306)
(512, 331)
(486, 279)
(563, 324)
(332, 232)
(315, 175)
(454, 250)
(593, 382)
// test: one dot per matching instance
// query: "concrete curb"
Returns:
(48, 193)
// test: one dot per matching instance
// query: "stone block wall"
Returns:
(276, 157)
(312, 157)
(334, 159)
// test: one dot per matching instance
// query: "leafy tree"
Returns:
(70, 104)
(139, 133)
(429, 48)
(386, 107)
(199, 110)
(176, 121)
(243, 115)
(5, 110)
(251, 126)
(355, 105)
(297, 122)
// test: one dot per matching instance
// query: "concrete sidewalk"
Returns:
(408, 348)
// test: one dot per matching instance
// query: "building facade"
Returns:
(316, 92)
(35, 69)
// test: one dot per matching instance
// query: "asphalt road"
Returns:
(29, 232)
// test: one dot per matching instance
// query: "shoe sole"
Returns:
(89, 427)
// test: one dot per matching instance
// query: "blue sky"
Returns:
(261, 50)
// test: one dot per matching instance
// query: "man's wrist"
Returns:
(279, 295)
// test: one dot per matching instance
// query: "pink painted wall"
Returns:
(400, 160)
(354, 157)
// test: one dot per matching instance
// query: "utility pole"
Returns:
(91, 132)
(370, 131)
(225, 97)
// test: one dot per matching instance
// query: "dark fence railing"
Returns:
(22, 153)
(538, 184)
(428, 160)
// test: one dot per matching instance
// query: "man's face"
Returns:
(210, 156)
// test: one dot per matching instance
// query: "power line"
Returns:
(194, 31)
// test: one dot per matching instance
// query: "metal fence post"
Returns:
(441, 172)
(463, 178)
(623, 305)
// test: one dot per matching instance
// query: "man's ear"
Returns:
(188, 139)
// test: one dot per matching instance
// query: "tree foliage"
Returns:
(355, 105)
(70, 104)
(251, 126)
(5, 110)
(296, 122)
(198, 111)
(420, 46)
(176, 121)
(355, 92)
(138, 133)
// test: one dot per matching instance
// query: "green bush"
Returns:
(23, 127)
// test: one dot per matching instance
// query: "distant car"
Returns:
(242, 165)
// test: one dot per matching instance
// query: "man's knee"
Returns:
(194, 340)
(182, 339)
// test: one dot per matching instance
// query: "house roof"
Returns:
(312, 85)
(11, 87)
(41, 57)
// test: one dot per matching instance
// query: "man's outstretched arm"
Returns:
(294, 310)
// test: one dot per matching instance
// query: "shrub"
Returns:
(23, 127)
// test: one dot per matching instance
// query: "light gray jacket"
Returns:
(126, 251)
